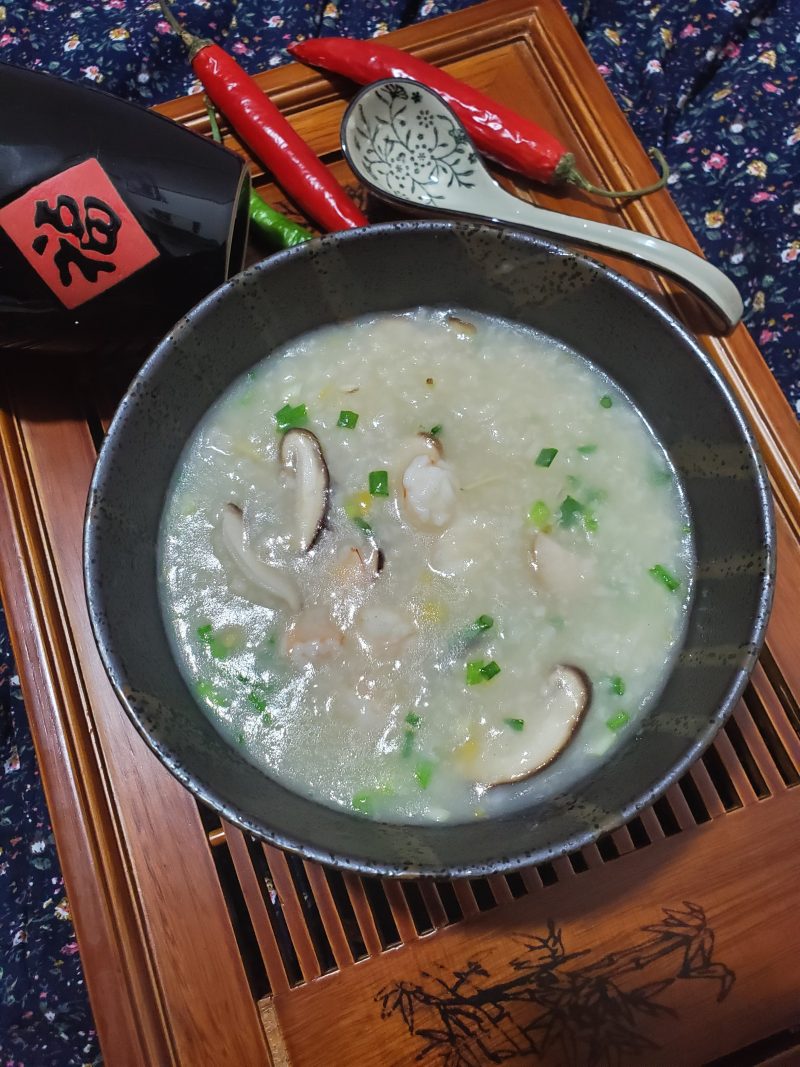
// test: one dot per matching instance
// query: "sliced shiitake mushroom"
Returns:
(301, 455)
(276, 588)
(567, 697)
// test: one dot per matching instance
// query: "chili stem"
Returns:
(571, 174)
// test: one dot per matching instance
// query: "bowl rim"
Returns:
(307, 849)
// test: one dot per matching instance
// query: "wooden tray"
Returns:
(672, 941)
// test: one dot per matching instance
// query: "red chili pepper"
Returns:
(293, 165)
(497, 131)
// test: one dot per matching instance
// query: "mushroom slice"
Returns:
(301, 455)
(557, 569)
(278, 589)
(567, 696)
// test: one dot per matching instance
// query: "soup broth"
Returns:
(421, 566)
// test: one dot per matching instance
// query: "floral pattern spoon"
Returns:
(406, 145)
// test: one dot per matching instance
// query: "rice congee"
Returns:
(425, 566)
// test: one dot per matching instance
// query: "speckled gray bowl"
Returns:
(388, 268)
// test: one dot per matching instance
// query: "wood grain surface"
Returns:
(198, 947)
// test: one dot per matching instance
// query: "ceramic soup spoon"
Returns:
(404, 143)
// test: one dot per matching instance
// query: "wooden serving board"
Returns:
(672, 941)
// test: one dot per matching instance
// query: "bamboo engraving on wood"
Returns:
(566, 1006)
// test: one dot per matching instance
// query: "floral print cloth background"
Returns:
(714, 83)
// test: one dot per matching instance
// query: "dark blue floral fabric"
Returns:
(716, 85)
(713, 83)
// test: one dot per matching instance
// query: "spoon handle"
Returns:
(691, 270)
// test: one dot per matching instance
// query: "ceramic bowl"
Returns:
(390, 268)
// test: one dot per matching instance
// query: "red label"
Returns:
(77, 234)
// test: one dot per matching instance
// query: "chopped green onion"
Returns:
(363, 525)
(686, 528)
(289, 417)
(435, 430)
(661, 574)
(616, 722)
(515, 724)
(661, 476)
(347, 419)
(413, 719)
(258, 702)
(570, 512)
(546, 457)
(217, 646)
(379, 483)
(408, 744)
(540, 515)
(423, 772)
(362, 803)
(606, 401)
(266, 718)
(206, 691)
(484, 622)
(586, 450)
(589, 521)
(475, 672)
(617, 685)
(490, 670)
(240, 738)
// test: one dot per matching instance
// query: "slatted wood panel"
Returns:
(197, 941)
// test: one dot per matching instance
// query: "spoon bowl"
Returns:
(405, 144)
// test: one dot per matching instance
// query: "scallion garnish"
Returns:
(435, 430)
(570, 511)
(475, 672)
(484, 622)
(240, 738)
(379, 483)
(589, 521)
(423, 772)
(362, 803)
(413, 721)
(289, 417)
(586, 450)
(540, 515)
(218, 648)
(478, 671)
(661, 574)
(408, 744)
(617, 685)
(258, 702)
(363, 525)
(515, 724)
(606, 401)
(546, 457)
(616, 722)
(347, 419)
(206, 691)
